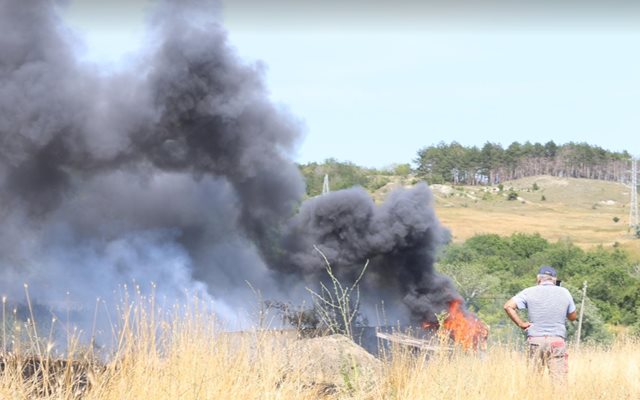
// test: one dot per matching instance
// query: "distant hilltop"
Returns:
(492, 164)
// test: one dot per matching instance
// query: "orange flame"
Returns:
(465, 329)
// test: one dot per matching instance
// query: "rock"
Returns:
(331, 364)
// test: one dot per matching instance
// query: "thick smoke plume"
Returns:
(399, 238)
(177, 171)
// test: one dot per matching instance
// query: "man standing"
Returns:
(549, 307)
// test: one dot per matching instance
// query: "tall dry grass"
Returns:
(594, 373)
(188, 356)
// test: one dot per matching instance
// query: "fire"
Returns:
(465, 329)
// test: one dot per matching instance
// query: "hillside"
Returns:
(580, 210)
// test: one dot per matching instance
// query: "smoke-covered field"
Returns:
(174, 175)
(188, 358)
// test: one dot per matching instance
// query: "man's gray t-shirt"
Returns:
(548, 307)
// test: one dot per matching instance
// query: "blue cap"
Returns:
(547, 270)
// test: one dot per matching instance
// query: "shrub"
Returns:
(535, 186)
(342, 175)
(526, 245)
(634, 331)
(376, 182)
(513, 195)
(402, 169)
(543, 198)
(616, 219)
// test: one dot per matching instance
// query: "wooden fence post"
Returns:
(584, 295)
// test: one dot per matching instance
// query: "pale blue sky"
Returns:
(374, 88)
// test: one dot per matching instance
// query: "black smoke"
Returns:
(177, 171)
(399, 238)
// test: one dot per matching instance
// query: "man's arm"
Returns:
(511, 308)
(572, 315)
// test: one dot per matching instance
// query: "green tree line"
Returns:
(344, 175)
(492, 164)
(488, 269)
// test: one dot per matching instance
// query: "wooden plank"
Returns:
(408, 340)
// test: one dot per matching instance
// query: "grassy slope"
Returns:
(579, 210)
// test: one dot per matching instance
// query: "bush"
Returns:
(513, 195)
(543, 198)
(402, 169)
(342, 175)
(376, 182)
(634, 331)
(614, 283)
(526, 245)
(616, 219)
(535, 186)
(593, 326)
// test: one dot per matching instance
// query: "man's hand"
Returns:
(525, 325)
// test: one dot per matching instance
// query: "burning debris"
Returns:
(177, 171)
(463, 328)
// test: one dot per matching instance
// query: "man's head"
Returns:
(547, 274)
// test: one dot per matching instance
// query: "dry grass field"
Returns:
(188, 358)
(579, 210)
(503, 374)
